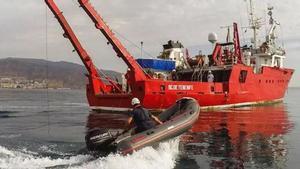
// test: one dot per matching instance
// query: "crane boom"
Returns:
(237, 45)
(88, 63)
(110, 36)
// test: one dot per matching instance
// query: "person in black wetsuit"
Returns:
(142, 118)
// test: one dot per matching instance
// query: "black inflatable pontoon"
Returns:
(177, 119)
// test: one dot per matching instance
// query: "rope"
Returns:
(134, 44)
(282, 39)
(241, 23)
(248, 12)
(47, 68)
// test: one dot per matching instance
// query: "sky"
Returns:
(29, 30)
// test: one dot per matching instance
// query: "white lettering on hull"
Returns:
(180, 87)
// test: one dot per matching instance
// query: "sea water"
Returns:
(46, 129)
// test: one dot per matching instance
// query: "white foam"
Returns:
(52, 149)
(20, 160)
(77, 104)
(148, 158)
(163, 157)
(10, 136)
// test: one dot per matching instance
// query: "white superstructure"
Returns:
(267, 53)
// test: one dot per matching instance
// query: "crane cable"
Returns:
(132, 43)
(47, 70)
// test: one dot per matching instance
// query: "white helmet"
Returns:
(135, 101)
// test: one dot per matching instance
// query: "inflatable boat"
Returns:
(177, 119)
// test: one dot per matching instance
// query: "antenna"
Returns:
(273, 23)
(142, 43)
(228, 36)
(254, 23)
(270, 13)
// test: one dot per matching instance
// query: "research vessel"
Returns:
(233, 75)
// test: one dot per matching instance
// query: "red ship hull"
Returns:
(268, 86)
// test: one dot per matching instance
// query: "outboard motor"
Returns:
(100, 138)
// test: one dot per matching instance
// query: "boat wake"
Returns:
(164, 156)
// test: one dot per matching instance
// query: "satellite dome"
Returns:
(212, 37)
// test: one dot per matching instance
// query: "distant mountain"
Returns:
(69, 75)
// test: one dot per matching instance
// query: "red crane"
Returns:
(237, 45)
(136, 71)
(219, 54)
(95, 80)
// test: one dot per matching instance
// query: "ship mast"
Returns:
(270, 38)
(254, 23)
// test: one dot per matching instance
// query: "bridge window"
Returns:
(243, 76)
(162, 88)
